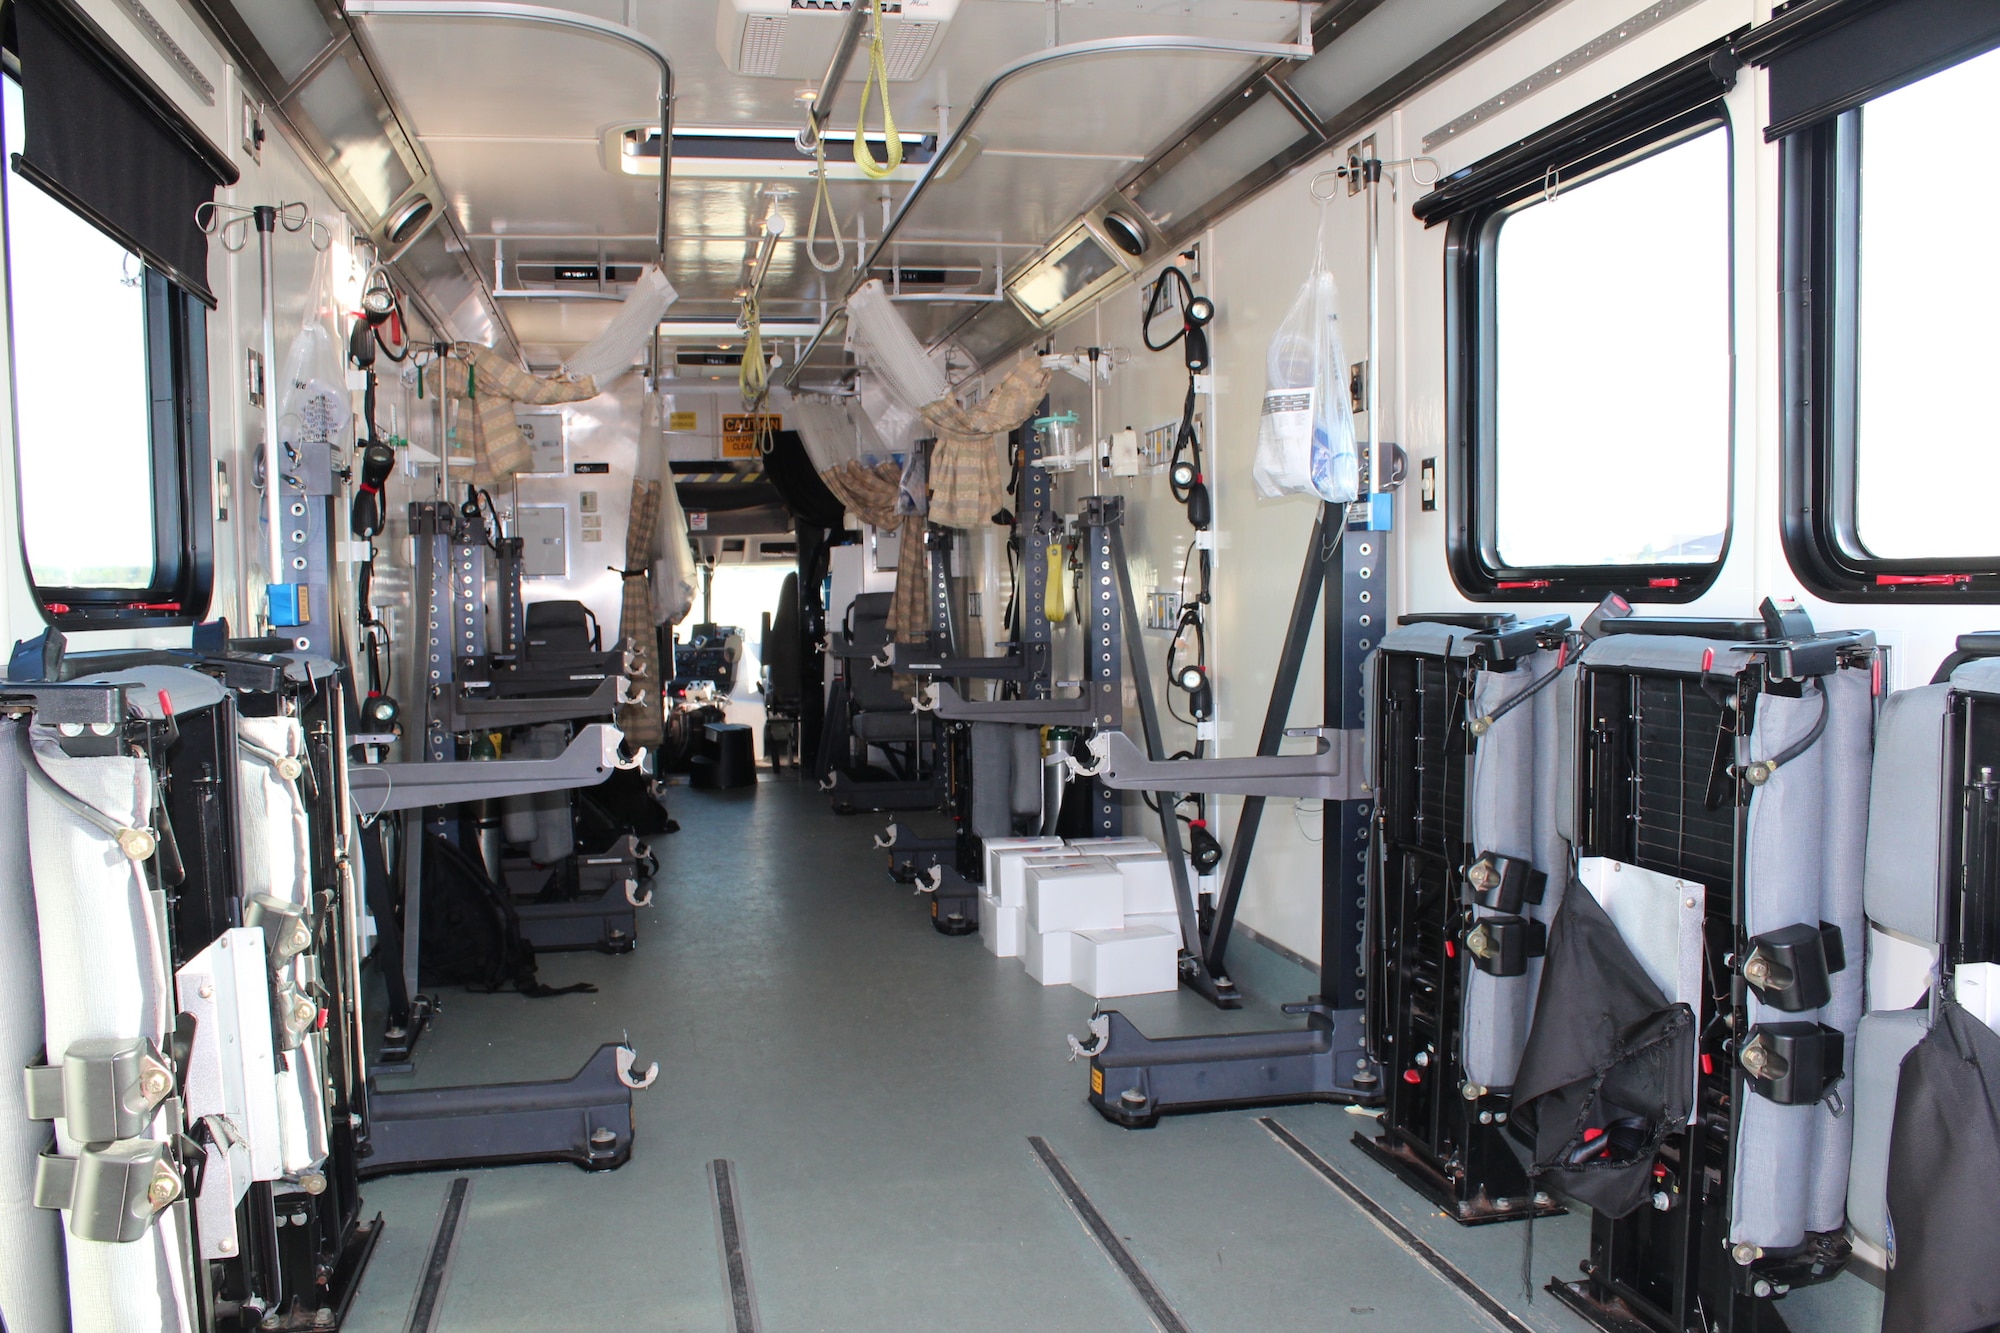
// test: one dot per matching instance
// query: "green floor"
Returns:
(875, 1084)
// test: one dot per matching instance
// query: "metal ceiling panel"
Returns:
(493, 77)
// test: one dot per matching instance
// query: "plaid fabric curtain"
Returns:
(644, 722)
(488, 385)
(968, 477)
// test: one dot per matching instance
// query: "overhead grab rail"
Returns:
(508, 11)
(821, 110)
(1103, 46)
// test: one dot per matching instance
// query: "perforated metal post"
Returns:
(1037, 501)
(431, 524)
(1357, 603)
(1103, 644)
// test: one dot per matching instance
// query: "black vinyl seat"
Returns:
(562, 627)
(782, 680)
(872, 711)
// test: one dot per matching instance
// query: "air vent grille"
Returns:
(907, 48)
(763, 44)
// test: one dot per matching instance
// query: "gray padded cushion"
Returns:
(1885, 1039)
(1560, 728)
(1980, 676)
(1803, 857)
(1906, 810)
(887, 726)
(1510, 808)
(189, 690)
(1428, 637)
(1679, 653)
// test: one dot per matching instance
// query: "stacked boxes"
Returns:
(1098, 913)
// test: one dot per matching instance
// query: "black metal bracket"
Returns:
(586, 1120)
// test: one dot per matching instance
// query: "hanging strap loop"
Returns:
(878, 77)
(821, 200)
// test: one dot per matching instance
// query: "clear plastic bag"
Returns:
(1305, 437)
(312, 396)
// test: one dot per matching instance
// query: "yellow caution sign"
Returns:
(743, 432)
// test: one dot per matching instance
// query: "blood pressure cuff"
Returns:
(1944, 1174)
(1608, 1071)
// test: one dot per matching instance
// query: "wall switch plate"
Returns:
(253, 129)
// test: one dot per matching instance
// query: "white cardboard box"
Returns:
(1149, 882)
(996, 848)
(1167, 921)
(1137, 960)
(1128, 846)
(1000, 928)
(1048, 957)
(1013, 867)
(1087, 893)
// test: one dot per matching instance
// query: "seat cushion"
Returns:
(1886, 1037)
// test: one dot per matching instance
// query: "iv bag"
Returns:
(1305, 437)
(312, 396)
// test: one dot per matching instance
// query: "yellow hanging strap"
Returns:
(753, 377)
(822, 202)
(1055, 593)
(878, 77)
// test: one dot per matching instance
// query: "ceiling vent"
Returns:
(930, 279)
(794, 39)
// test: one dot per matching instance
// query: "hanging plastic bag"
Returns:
(312, 396)
(1305, 438)
(913, 490)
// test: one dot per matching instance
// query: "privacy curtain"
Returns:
(487, 386)
(643, 721)
(968, 475)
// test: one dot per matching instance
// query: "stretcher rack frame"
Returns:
(314, 1265)
(1112, 636)
(1666, 1270)
(1437, 1136)
(1024, 672)
(1135, 1079)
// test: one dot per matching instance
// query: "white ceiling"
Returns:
(513, 117)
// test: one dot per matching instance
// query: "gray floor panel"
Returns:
(874, 1084)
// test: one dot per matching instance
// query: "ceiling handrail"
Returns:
(1034, 60)
(508, 10)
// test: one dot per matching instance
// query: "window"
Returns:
(1926, 331)
(109, 374)
(1611, 367)
(81, 399)
(1890, 454)
(1589, 350)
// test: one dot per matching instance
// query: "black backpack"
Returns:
(471, 933)
(623, 803)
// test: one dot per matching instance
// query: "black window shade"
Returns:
(1601, 135)
(1830, 56)
(105, 140)
(1673, 105)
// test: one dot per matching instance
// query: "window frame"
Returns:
(1819, 334)
(1472, 333)
(177, 395)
